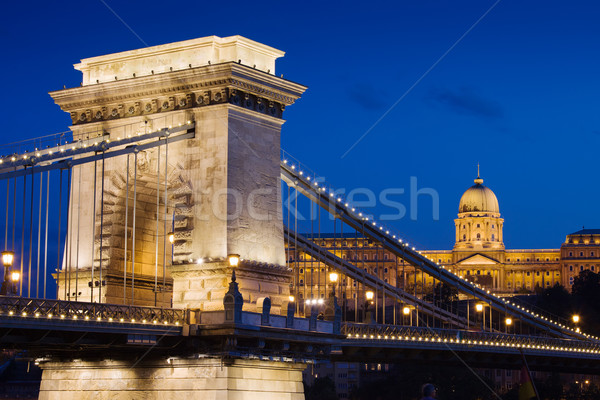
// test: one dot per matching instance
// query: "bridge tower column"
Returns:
(224, 193)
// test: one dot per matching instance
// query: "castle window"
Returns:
(508, 259)
(570, 254)
(492, 226)
(301, 270)
(385, 270)
(464, 237)
(528, 259)
(478, 226)
(547, 259)
(518, 260)
(478, 272)
(547, 273)
(345, 243)
(478, 236)
(343, 256)
(464, 227)
(493, 238)
(301, 281)
(592, 254)
(581, 267)
(592, 268)
(570, 280)
(537, 259)
(537, 273)
(385, 256)
(571, 268)
(528, 273)
(366, 257)
(581, 254)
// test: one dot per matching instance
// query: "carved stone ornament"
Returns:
(148, 107)
(131, 110)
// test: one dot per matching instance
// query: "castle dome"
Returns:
(478, 198)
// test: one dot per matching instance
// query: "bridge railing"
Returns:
(475, 338)
(59, 309)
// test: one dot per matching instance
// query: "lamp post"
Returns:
(333, 278)
(406, 312)
(507, 323)
(479, 307)
(369, 296)
(576, 320)
(7, 261)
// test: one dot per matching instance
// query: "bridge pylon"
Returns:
(217, 192)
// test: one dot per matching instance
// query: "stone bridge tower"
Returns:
(223, 185)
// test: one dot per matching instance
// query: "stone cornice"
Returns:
(226, 75)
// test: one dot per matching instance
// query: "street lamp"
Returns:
(576, 318)
(333, 278)
(7, 261)
(234, 259)
(369, 295)
(171, 236)
(479, 308)
(7, 258)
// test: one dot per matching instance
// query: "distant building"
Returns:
(580, 252)
(478, 255)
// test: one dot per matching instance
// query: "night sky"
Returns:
(518, 94)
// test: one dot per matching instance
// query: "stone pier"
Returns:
(172, 379)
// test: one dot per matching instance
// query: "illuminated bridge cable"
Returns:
(39, 240)
(133, 226)
(93, 229)
(78, 234)
(101, 229)
(157, 226)
(166, 205)
(23, 232)
(68, 238)
(58, 231)
(332, 261)
(126, 229)
(46, 232)
(394, 245)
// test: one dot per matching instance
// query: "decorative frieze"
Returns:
(204, 98)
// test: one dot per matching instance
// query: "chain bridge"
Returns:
(166, 245)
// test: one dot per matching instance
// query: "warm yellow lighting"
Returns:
(479, 307)
(576, 318)
(333, 277)
(15, 276)
(406, 310)
(508, 321)
(171, 237)
(291, 298)
(369, 295)
(234, 259)
(8, 258)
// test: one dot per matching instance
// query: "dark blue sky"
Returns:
(519, 94)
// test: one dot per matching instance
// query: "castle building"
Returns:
(479, 255)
